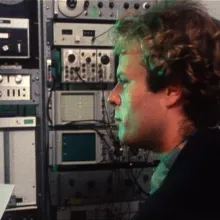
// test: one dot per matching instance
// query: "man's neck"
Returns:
(177, 135)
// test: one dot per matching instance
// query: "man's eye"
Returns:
(123, 82)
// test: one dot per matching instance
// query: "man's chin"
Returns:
(135, 144)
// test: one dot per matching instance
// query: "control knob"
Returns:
(105, 59)
(71, 58)
(100, 4)
(126, 5)
(146, 5)
(77, 69)
(86, 4)
(100, 73)
(18, 79)
(111, 5)
(136, 6)
(88, 60)
(71, 3)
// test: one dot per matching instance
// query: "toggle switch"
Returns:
(77, 38)
(19, 47)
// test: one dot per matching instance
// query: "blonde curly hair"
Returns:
(180, 44)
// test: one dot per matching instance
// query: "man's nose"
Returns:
(114, 96)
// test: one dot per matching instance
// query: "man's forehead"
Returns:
(131, 51)
(133, 58)
(132, 47)
(129, 65)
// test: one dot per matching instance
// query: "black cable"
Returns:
(94, 38)
(76, 122)
(49, 99)
(103, 103)
(109, 129)
(136, 182)
(101, 136)
(112, 137)
(47, 145)
(76, 69)
(139, 186)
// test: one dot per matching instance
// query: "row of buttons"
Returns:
(146, 5)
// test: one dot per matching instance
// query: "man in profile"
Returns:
(167, 100)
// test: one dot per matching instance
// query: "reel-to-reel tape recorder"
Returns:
(18, 29)
(14, 8)
(11, 2)
(14, 29)
(98, 9)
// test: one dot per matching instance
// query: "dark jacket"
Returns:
(191, 190)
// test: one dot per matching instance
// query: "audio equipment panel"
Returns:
(90, 187)
(15, 87)
(105, 211)
(70, 65)
(78, 65)
(99, 9)
(14, 38)
(17, 122)
(105, 66)
(10, 2)
(18, 159)
(19, 86)
(82, 34)
(87, 65)
(16, 8)
(75, 147)
(27, 213)
(70, 106)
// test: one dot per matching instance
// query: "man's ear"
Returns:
(172, 95)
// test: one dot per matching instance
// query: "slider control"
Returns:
(19, 47)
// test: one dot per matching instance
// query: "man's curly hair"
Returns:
(180, 45)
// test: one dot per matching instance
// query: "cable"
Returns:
(49, 98)
(115, 142)
(136, 182)
(108, 127)
(76, 69)
(94, 38)
(102, 137)
(107, 124)
(76, 122)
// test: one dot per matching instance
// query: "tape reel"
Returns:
(10, 2)
(71, 8)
